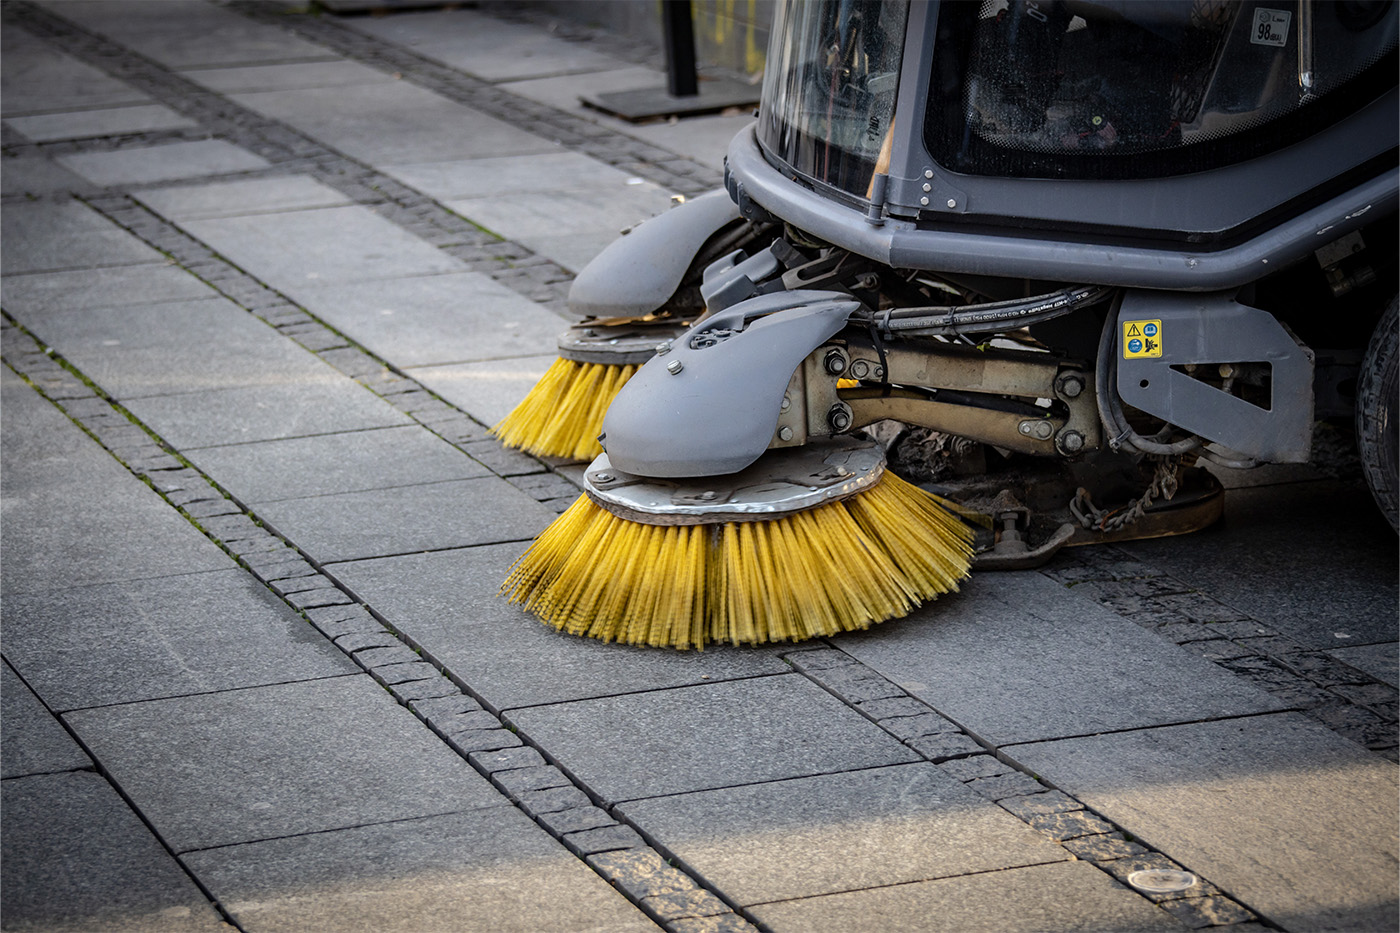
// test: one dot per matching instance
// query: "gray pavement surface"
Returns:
(268, 278)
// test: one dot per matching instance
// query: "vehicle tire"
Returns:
(1376, 403)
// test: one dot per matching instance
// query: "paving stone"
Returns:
(512, 875)
(890, 707)
(166, 162)
(1063, 825)
(485, 740)
(577, 819)
(446, 705)
(836, 832)
(1199, 912)
(1219, 796)
(315, 598)
(1033, 805)
(1356, 723)
(39, 78)
(335, 244)
(1357, 595)
(978, 766)
(354, 461)
(508, 759)
(32, 740)
(1054, 653)
(604, 839)
(666, 741)
(518, 781)
(169, 636)
(1123, 867)
(51, 236)
(940, 748)
(428, 688)
(641, 872)
(468, 721)
(1379, 660)
(1002, 786)
(391, 675)
(381, 122)
(685, 905)
(30, 298)
(340, 74)
(263, 413)
(552, 799)
(76, 858)
(1102, 848)
(241, 196)
(911, 727)
(251, 764)
(1067, 895)
(433, 319)
(722, 923)
(449, 600)
(85, 124)
(489, 390)
(38, 176)
(472, 178)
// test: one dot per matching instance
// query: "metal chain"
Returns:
(1166, 478)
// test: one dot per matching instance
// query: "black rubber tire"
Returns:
(1376, 404)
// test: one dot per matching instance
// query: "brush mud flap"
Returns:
(708, 403)
(1163, 337)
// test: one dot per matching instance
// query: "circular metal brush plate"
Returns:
(617, 344)
(779, 483)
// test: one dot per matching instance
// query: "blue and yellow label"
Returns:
(1142, 339)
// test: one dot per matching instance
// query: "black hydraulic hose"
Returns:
(1120, 435)
(985, 318)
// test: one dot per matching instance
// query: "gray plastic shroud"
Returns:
(713, 411)
(639, 272)
(1211, 330)
(901, 244)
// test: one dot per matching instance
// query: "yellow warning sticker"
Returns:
(1142, 339)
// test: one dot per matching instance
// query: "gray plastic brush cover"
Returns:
(781, 482)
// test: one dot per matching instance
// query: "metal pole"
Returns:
(679, 36)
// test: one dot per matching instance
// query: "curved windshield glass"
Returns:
(829, 88)
(1113, 88)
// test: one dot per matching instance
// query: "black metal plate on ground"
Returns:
(716, 94)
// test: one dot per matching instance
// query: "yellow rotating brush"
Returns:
(874, 554)
(563, 414)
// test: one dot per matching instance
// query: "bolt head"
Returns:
(674, 367)
(602, 477)
(785, 434)
(952, 203)
(663, 347)
(835, 363)
(787, 403)
(860, 369)
(1071, 386)
(1072, 441)
(923, 201)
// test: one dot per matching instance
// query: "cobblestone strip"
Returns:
(1082, 832)
(1348, 701)
(628, 153)
(291, 152)
(532, 476)
(419, 682)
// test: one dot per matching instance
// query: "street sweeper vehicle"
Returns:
(1045, 257)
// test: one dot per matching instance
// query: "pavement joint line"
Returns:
(466, 725)
(98, 768)
(1025, 795)
(1306, 680)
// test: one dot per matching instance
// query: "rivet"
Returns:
(785, 434)
(674, 367)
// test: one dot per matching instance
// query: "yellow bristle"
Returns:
(835, 568)
(563, 414)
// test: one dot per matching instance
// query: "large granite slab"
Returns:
(245, 765)
(38, 175)
(382, 122)
(488, 870)
(325, 405)
(74, 516)
(189, 33)
(50, 236)
(434, 319)
(142, 639)
(702, 737)
(31, 298)
(1017, 657)
(76, 858)
(482, 46)
(32, 741)
(241, 196)
(39, 79)
(1334, 585)
(353, 461)
(403, 519)
(162, 163)
(447, 601)
(289, 76)
(114, 121)
(1279, 812)
(488, 390)
(176, 347)
(335, 244)
(839, 832)
(1069, 897)
(493, 177)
